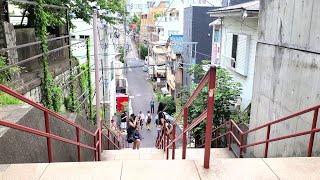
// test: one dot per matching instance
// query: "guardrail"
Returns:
(233, 127)
(233, 131)
(164, 142)
(96, 141)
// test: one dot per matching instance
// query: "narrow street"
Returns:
(141, 92)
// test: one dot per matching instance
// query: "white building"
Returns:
(236, 49)
(106, 56)
(171, 23)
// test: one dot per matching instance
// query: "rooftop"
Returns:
(251, 8)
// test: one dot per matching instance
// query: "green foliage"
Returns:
(168, 100)
(242, 116)
(71, 102)
(137, 21)
(56, 98)
(6, 76)
(88, 79)
(77, 9)
(157, 15)
(121, 51)
(51, 93)
(6, 99)
(143, 51)
(226, 92)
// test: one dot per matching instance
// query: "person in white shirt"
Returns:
(141, 118)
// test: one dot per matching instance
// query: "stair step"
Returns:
(157, 154)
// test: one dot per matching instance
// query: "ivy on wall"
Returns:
(89, 85)
(51, 93)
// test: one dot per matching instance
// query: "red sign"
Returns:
(122, 102)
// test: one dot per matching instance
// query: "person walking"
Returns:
(149, 120)
(141, 119)
(152, 105)
(160, 121)
(123, 124)
(133, 135)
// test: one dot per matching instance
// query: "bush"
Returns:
(226, 92)
(143, 51)
(169, 101)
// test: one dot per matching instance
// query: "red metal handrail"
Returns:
(210, 79)
(47, 132)
(241, 144)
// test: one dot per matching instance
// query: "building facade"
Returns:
(197, 36)
(234, 43)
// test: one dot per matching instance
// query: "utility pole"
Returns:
(125, 36)
(97, 77)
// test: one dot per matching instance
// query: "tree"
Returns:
(143, 51)
(226, 92)
(77, 9)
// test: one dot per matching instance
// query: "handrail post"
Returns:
(164, 138)
(78, 141)
(108, 143)
(241, 144)
(184, 136)
(168, 141)
(210, 112)
(47, 126)
(230, 136)
(94, 145)
(174, 143)
(314, 125)
(267, 142)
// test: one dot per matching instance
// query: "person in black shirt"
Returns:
(133, 135)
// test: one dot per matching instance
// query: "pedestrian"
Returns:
(141, 119)
(149, 120)
(123, 124)
(114, 119)
(133, 135)
(152, 105)
(160, 121)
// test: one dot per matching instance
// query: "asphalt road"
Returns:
(141, 91)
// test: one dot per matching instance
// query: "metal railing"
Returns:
(232, 131)
(233, 127)
(164, 141)
(49, 136)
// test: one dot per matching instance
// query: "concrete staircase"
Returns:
(149, 163)
(158, 154)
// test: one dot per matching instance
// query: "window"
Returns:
(234, 50)
(84, 36)
(73, 36)
(216, 35)
(237, 52)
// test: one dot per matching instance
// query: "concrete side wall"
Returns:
(247, 27)
(20, 147)
(286, 79)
